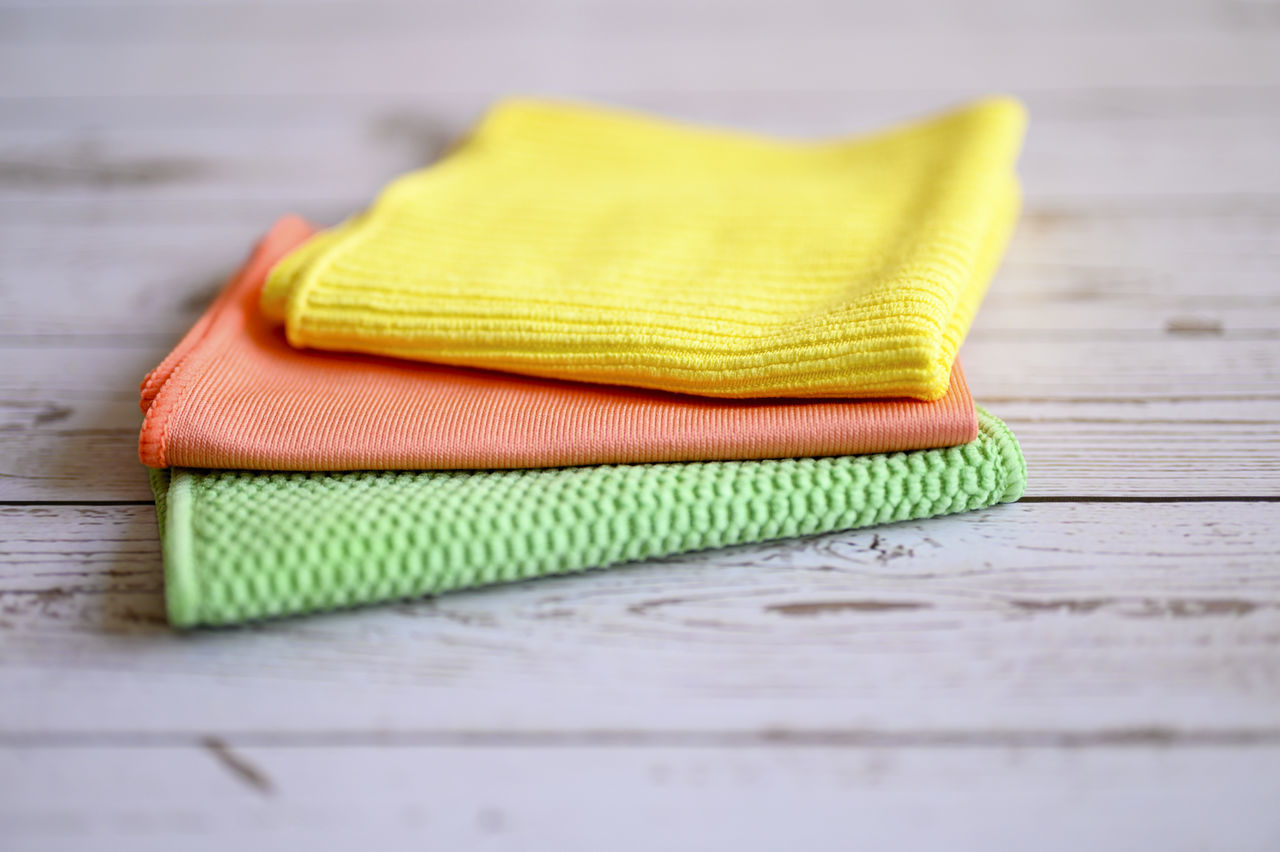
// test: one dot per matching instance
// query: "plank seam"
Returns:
(1122, 737)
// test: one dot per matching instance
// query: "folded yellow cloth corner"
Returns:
(599, 245)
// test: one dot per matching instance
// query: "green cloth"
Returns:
(240, 546)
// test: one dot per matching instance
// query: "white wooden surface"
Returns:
(1096, 667)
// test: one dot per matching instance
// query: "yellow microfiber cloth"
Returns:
(597, 245)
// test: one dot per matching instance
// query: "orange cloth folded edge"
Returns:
(235, 394)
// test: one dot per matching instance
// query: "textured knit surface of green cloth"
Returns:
(241, 546)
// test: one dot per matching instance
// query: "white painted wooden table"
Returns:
(1097, 667)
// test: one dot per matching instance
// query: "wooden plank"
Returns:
(144, 270)
(276, 148)
(786, 113)
(1052, 617)
(1182, 367)
(1132, 449)
(400, 61)
(58, 21)
(218, 795)
(149, 303)
(1095, 416)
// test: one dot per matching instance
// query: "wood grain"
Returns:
(1096, 667)
(631, 59)
(1111, 417)
(1058, 617)
(702, 797)
(142, 271)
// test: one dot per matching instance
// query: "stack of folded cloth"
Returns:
(586, 337)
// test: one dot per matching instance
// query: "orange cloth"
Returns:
(235, 394)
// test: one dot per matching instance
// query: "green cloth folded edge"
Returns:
(241, 546)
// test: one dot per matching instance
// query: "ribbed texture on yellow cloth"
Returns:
(597, 245)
